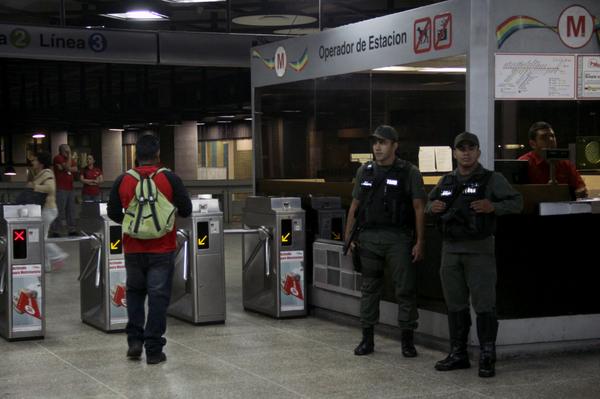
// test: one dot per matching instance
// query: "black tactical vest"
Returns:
(385, 197)
(460, 222)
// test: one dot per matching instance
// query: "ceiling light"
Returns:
(421, 69)
(200, 123)
(192, 1)
(116, 130)
(38, 135)
(297, 31)
(9, 171)
(137, 15)
(274, 20)
(227, 116)
(247, 119)
(223, 121)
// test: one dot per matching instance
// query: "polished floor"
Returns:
(252, 356)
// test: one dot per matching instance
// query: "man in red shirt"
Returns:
(541, 137)
(64, 168)
(149, 263)
(91, 177)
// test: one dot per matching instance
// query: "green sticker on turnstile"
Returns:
(286, 232)
(203, 237)
(336, 229)
(116, 240)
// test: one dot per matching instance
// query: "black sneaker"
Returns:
(156, 358)
(135, 350)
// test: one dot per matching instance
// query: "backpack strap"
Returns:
(134, 173)
(152, 197)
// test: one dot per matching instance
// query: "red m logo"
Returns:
(575, 30)
(280, 61)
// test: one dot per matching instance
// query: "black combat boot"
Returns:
(408, 343)
(459, 324)
(367, 345)
(487, 330)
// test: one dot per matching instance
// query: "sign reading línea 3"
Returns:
(77, 44)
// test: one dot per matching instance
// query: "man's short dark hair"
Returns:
(147, 147)
(541, 125)
(44, 158)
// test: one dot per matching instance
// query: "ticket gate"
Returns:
(198, 293)
(325, 218)
(102, 270)
(273, 277)
(22, 289)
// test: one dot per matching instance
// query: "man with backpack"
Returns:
(150, 197)
(467, 202)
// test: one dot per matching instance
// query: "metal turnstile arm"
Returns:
(3, 267)
(96, 253)
(264, 241)
(184, 235)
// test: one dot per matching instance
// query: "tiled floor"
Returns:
(253, 356)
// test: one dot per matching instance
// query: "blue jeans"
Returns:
(152, 275)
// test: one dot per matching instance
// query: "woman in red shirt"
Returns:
(91, 177)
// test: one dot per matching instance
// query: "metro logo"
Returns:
(571, 27)
(575, 26)
(280, 61)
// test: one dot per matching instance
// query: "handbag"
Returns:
(29, 196)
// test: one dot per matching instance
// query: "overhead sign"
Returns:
(78, 44)
(410, 36)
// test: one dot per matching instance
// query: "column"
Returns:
(112, 153)
(186, 150)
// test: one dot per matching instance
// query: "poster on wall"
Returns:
(118, 302)
(588, 76)
(27, 298)
(534, 76)
(292, 280)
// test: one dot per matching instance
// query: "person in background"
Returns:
(91, 177)
(466, 203)
(541, 137)
(149, 263)
(64, 169)
(43, 181)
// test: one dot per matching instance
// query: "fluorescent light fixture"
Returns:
(421, 69)
(247, 119)
(9, 171)
(192, 1)
(137, 15)
(116, 130)
(200, 123)
(291, 111)
(227, 116)
(274, 20)
(38, 135)
(223, 121)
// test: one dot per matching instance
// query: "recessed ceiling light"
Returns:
(137, 15)
(274, 20)
(247, 119)
(38, 135)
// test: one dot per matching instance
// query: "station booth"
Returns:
(491, 68)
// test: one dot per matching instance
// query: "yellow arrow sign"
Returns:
(115, 245)
(285, 237)
(201, 241)
(336, 236)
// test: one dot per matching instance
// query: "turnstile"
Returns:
(102, 270)
(198, 293)
(325, 218)
(22, 289)
(273, 278)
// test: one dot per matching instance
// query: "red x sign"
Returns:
(18, 235)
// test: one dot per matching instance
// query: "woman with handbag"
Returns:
(43, 182)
